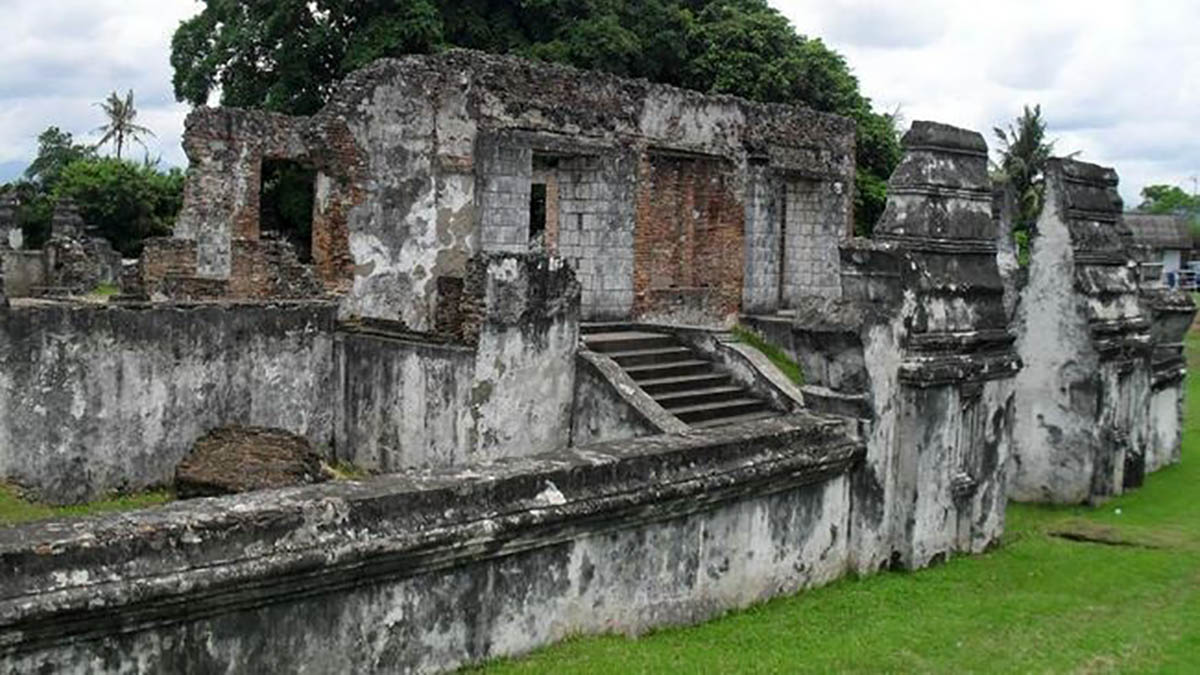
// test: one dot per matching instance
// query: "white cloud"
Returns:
(58, 58)
(1119, 81)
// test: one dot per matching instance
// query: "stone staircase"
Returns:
(686, 384)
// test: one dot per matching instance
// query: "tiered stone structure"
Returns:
(918, 349)
(1083, 422)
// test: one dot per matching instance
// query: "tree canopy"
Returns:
(1169, 199)
(286, 56)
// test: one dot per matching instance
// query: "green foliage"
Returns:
(287, 202)
(1172, 199)
(14, 509)
(774, 354)
(1039, 603)
(1023, 154)
(128, 202)
(56, 150)
(287, 56)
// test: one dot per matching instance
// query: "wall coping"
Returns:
(66, 581)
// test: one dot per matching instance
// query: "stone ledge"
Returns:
(71, 581)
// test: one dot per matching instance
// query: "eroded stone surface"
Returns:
(1082, 415)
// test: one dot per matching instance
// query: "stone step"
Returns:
(664, 385)
(594, 327)
(701, 412)
(641, 357)
(737, 419)
(620, 341)
(655, 371)
(699, 395)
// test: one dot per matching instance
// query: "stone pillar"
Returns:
(1082, 410)
(924, 351)
(1171, 314)
(522, 312)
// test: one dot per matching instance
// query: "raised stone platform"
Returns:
(427, 571)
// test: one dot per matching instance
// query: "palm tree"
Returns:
(1023, 155)
(121, 128)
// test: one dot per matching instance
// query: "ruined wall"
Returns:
(402, 401)
(101, 398)
(422, 162)
(437, 569)
(524, 379)
(23, 272)
(500, 383)
(226, 149)
(1082, 413)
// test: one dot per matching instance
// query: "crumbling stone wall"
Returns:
(424, 161)
(96, 398)
(499, 383)
(918, 349)
(1082, 415)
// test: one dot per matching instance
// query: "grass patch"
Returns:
(1039, 603)
(343, 470)
(774, 354)
(104, 291)
(14, 509)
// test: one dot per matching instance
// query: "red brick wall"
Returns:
(689, 237)
(163, 257)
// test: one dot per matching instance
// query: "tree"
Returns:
(1169, 199)
(121, 126)
(1023, 154)
(126, 201)
(56, 150)
(287, 56)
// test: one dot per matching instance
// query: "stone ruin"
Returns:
(515, 315)
(74, 261)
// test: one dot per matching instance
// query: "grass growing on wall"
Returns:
(14, 509)
(782, 361)
(1039, 603)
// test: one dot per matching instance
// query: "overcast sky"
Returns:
(1119, 81)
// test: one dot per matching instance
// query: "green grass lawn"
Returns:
(1039, 603)
(14, 509)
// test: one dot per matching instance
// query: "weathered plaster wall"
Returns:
(501, 385)
(429, 571)
(610, 406)
(426, 160)
(524, 382)
(23, 272)
(1171, 314)
(98, 398)
(402, 401)
(1083, 411)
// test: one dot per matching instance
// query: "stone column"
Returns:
(923, 349)
(1082, 408)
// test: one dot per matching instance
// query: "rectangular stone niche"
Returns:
(427, 571)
